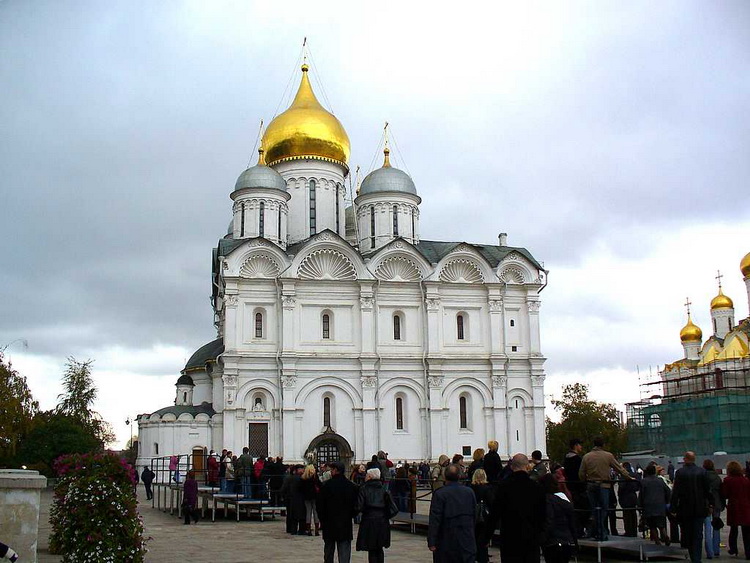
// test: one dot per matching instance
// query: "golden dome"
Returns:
(691, 332)
(306, 130)
(721, 301)
(745, 265)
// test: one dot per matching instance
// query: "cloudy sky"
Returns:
(611, 139)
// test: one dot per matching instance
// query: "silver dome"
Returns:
(260, 176)
(387, 179)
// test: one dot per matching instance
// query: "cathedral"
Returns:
(342, 332)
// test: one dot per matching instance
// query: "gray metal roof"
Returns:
(185, 379)
(387, 179)
(260, 176)
(205, 353)
(177, 410)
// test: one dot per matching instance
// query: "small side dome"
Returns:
(691, 332)
(387, 179)
(721, 301)
(745, 265)
(185, 379)
(260, 176)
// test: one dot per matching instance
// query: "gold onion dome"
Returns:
(691, 332)
(721, 301)
(306, 130)
(745, 265)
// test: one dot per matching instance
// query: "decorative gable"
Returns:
(398, 268)
(461, 270)
(326, 264)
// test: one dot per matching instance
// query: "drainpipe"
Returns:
(425, 383)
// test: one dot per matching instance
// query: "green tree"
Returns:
(583, 418)
(54, 434)
(17, 410)
(77, 400)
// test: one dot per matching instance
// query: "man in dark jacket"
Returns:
(627, 494)
(691, 501)
(148, 477)
(492, 464)
(336, 508)
(450, 536)
(519, 506)
(571, 465)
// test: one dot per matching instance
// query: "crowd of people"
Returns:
(539, 509)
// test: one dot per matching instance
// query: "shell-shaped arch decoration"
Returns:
(512, 274)
(399, 269)
(461, 271)
(326, 264)
(259, 266)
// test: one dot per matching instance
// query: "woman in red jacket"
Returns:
(735, 489)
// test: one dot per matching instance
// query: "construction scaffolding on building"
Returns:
(703, 408)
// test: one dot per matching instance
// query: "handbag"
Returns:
(391, 506)
(717, 523)
(482, 514)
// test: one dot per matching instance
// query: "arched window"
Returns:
(184, 396)
(326, 411)
(395, 220)
(313, 222)
(460, 327)
(242, 220)
(399, 413)
(262, 219)
(278, 226)
(326, 326)
(156, 448)
(413, 230)
(396, 327)
(258, 325)
(463, 415)
(372, 227)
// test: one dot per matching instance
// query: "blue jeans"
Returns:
(402, 501)
(246, 490)
(712, 538)
(599, 502)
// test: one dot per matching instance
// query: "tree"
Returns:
(77, 400)
(583, 418)
(54, 434)
(17, 409)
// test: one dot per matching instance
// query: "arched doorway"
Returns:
(329, 446)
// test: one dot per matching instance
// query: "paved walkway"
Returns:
(247, 541)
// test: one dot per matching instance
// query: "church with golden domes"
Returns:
(342, 332)
(704, 403)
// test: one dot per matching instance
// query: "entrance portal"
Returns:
(328, 447)
(258, 439)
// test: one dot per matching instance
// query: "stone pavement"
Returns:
(247, 541)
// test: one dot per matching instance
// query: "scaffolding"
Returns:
(703, 408)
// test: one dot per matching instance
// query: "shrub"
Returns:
(94, 516)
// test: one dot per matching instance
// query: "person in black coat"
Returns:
(337, 505)
(485, 496)
(627, 494)
(493, 467)
(691, 499)
(374, 503)
(147, 476)
(450, 536)
(571, 466)
(519, 507)
(559, 541)
(294, 501)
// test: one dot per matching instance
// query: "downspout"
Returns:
(425, 381)
(280, 331)
(376, 335)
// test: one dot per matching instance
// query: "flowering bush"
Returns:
(94, 516)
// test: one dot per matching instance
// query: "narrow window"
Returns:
(313, 223)
(395, 220)
(715, 325)
(516, 403)
(396, 327)
(518, 436)
(413, 230)
(460, 327)
(326, 411)
(278, 227)
(512, 322)
(399, 413)
(258, 325)
(242, 220)
(338, 209)
(326, 326)
(184, 397)
(262, 220)
(156, 448)
(372, 227)
(462, 413)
